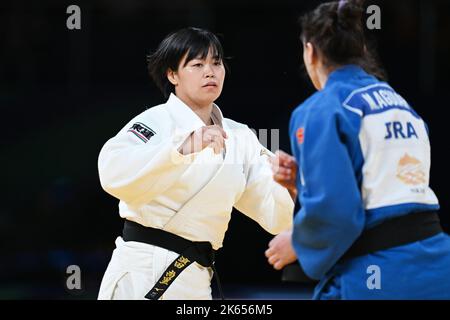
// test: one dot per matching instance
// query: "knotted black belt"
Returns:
(189, 251)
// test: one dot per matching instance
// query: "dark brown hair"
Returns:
(194, 42)
(336, 31)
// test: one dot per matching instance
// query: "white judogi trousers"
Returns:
(135, 267)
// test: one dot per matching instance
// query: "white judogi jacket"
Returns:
(193, 195)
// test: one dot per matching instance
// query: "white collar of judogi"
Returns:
(186, 117)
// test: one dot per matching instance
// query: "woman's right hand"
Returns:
(281, 252)
(208, 136)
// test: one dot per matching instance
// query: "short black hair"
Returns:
(336, 30)
(194, 41)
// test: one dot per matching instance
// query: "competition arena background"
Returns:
(63, 93)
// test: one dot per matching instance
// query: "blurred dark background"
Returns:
(64, 93)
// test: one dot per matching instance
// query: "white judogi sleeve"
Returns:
(142, 160)
(264, 200)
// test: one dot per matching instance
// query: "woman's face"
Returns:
(199, 82)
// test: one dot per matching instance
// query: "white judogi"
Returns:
(191, 196)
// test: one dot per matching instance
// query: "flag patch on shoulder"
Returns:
(141, 131)
(301, 135)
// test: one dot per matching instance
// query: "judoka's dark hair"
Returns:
(193, 41)
(336, 31)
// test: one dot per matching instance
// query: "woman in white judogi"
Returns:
(181, 167)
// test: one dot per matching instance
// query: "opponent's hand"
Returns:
(208, 136)
(284, 168)
(281, 252)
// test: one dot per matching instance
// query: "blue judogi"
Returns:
(364, 157)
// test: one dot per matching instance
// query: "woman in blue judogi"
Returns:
(368, 226)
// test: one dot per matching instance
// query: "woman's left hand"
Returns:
(284, 168)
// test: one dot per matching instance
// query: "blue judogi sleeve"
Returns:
(331, 216)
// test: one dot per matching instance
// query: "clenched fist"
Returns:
(208, 136)
(284, 168)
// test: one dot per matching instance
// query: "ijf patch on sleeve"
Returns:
(266, 152)
(142, 131)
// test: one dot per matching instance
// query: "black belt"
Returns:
(189, 251)
(389, 234)
(395, 232)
